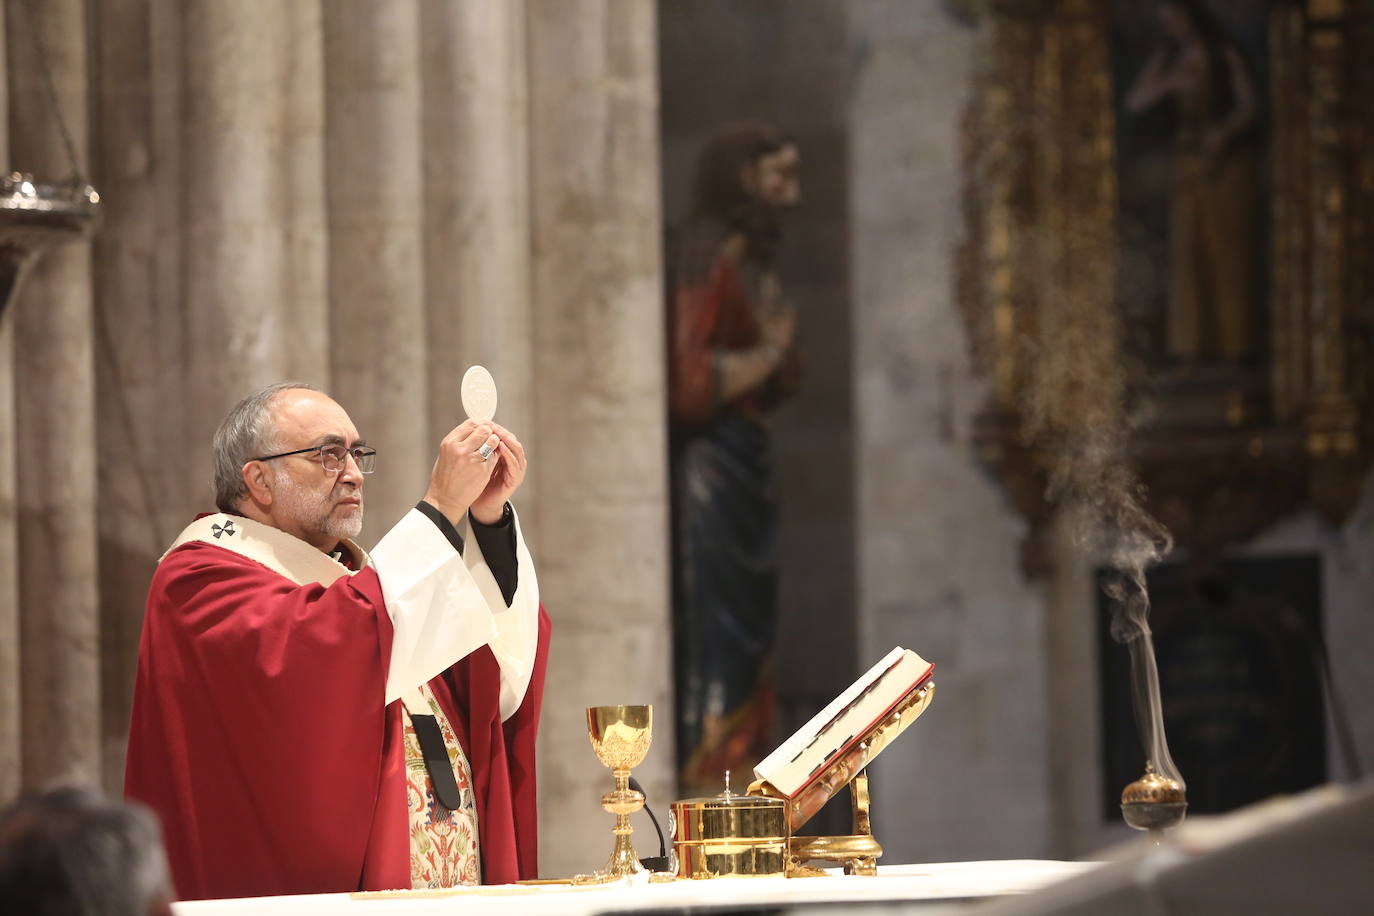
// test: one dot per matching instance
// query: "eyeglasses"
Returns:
(332, 457)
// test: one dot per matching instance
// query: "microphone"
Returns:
(659, 862)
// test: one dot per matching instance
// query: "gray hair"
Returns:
(244, 435)
(71, 851)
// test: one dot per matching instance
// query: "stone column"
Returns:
(305, 278)
(10, 718)
(137, 336)
(938, 546)
(10, 682)
(54, 391)
(233, 241)
(1073, 720)
(376, 263)
(476, 207)
(601, 529)
(181, 494)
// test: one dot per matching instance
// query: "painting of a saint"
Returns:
(1192, 171)
(731, 362)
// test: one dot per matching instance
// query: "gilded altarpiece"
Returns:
(1222, 450)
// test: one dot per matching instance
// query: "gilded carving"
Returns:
(1237, 431)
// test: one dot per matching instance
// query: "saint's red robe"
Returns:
(260, 738)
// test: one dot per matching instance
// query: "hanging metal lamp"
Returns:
(33, 215)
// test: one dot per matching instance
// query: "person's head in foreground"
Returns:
(72, 852)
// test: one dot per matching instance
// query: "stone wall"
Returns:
(937, 545)
(602, 523)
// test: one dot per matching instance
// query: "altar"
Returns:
(1307, 853)
(943, 887)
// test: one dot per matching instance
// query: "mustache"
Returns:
(343, 492)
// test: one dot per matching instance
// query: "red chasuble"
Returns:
(260, 738)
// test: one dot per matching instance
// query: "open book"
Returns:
(835, 730)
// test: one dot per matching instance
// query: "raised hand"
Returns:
(506, 478)
(461, 474)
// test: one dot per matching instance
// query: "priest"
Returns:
(311, 718)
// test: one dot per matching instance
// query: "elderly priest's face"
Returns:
(296, 492)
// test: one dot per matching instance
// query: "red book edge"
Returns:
(849, 745)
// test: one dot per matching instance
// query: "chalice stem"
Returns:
(623, 859)
(623, 802)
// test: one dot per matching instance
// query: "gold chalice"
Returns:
(620, 735)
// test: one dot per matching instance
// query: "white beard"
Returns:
(312, 511)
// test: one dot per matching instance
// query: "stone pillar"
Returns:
(1073, 721)
(601, 529)
(305, 278)
(476, 211)
(376, 259)
(10, 682)
(10, 718)
(182, 494)
(137, 336)
(234, 244)
(938, 546)
(54, 391)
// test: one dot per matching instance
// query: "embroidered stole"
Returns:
(443, 840)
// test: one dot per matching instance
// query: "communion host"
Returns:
(310, 718)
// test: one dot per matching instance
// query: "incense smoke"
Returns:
(1115, 528)
(1075, 413)
(1046, 267)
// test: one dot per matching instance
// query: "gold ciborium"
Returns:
(620, 735)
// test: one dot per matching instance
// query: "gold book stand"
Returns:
(858, 852)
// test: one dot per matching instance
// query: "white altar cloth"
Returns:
(944, 881)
